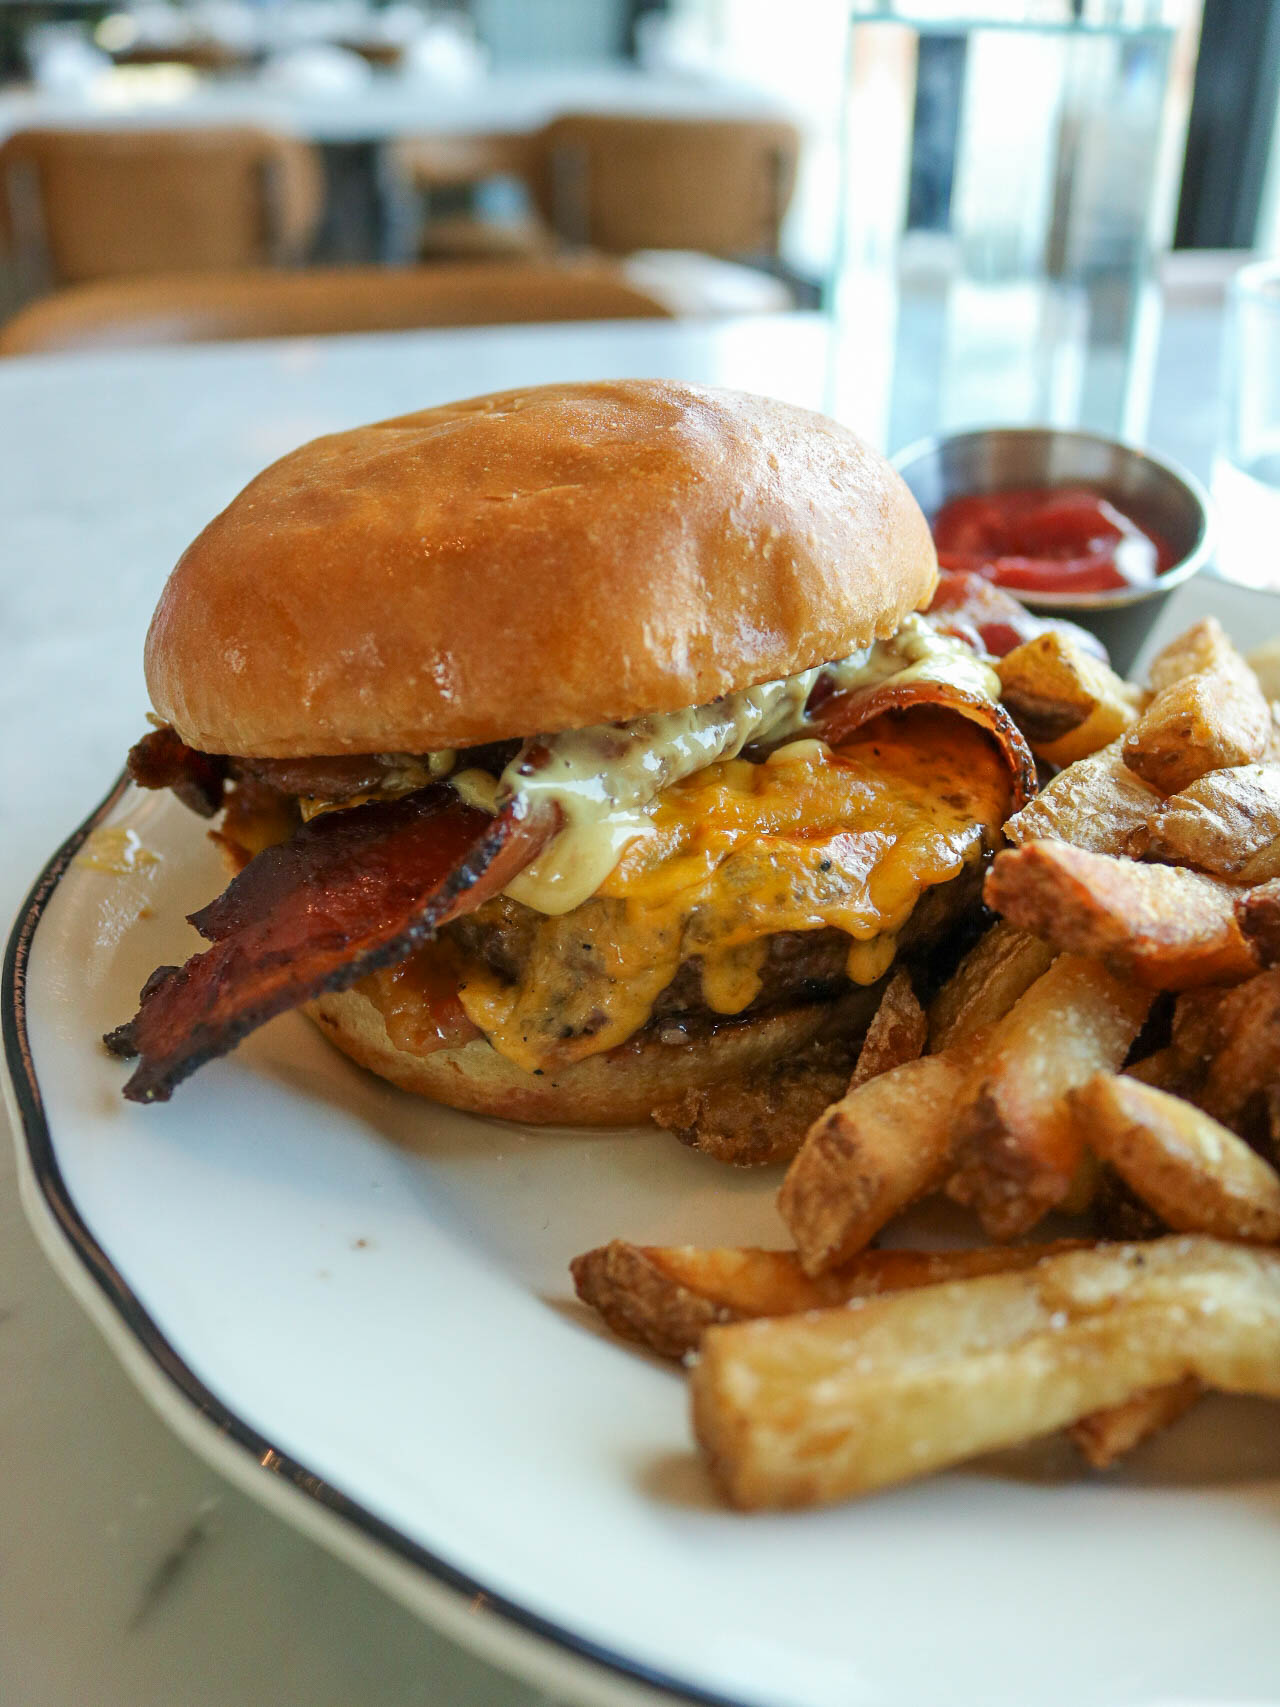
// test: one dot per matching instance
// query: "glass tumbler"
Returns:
(1005, 176)
(1246, 475)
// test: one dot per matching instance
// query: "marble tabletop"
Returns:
(130, 1574)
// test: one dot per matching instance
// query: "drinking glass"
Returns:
(1004, 190)
(1246, 475)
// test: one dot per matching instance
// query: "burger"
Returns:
(573, 747)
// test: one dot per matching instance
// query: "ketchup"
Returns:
(1060, 539)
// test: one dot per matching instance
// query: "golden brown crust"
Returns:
(531, 561)
(615, 1089)
(761, 1117)
(641, 1301)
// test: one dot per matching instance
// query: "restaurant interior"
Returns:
(197, 169)
(231, 226)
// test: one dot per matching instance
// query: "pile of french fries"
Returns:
(1109, 1050)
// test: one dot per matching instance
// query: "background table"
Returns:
(390, 104)
(130, 1575)
(367, 215)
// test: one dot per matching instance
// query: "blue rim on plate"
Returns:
(41, 1154)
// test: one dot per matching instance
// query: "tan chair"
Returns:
(194, 308)
(92, 204)
(617, 184)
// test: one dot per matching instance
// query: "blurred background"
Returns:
(991, 198)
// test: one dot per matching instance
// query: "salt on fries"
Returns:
(1208, 713)
(884, 1145)
(1003, 964)
(1164, 927)
(1018, 1147)
(1110, 1043)
(1226, 823)
(666, 1297)
(1193, 1172)
(1097, 804)
(818, 1407)
(1243, 1054)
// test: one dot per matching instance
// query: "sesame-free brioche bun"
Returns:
(528, 562)
(619, 1088)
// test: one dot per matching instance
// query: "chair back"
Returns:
(620, 184)
(200, 308)
(91, 204)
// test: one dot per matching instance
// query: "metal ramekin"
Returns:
(1153, 491)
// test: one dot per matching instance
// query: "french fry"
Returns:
(761, 1116)
(1096, 803)
(1195, 1174)
(1067, 703)
(1167, 928)
(1271, 1105)
(1018, 1146)
(1197, 1030)
(820, 1407)
(1164, 1068)
(897, 1033)
(1245, 1048)
(878, 1149)
(1000, 966)
(1082, 1191)
(1258, 915)
(666, 1297)
(1232, 1036)
(1208, 713)
(1197, 651)
(1117, 1212)
(1226, 823)
(1108, 1435)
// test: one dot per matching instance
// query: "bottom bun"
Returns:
(619, 1088)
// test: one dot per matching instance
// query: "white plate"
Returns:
(357, 1305)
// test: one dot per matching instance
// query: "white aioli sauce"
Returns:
(601, 778)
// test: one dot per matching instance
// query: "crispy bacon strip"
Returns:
(844, 713)
(349, 893)
(991, 620)
(162, 759)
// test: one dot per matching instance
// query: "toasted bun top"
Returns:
(528, 562)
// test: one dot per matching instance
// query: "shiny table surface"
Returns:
(130, 1575)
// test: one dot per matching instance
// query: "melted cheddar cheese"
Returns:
(602, 779)
(809, 839)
